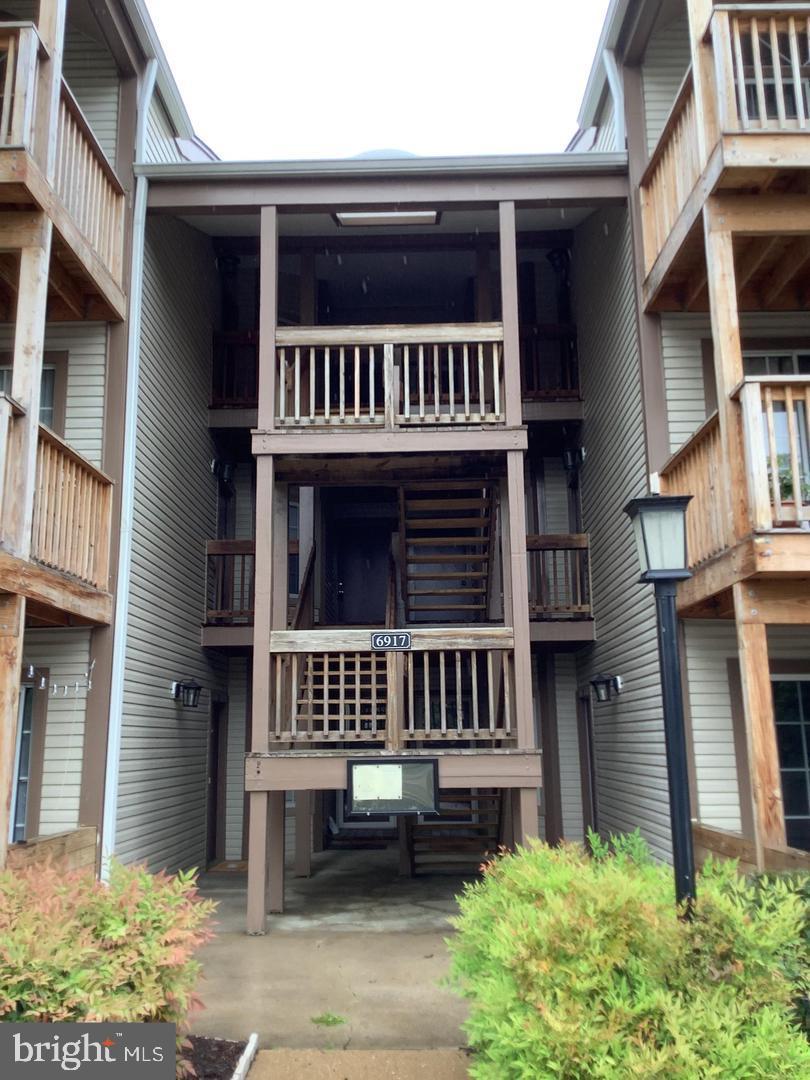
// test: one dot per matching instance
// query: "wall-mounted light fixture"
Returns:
(573, 458)
(187, 692)
(605, 686)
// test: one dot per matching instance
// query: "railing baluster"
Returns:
(297, 390)
(371, 377)
(8, 89)
(407, 360)
(776, 61)
(426, 671)
(312, 384)
(357, 382)
(459, 716)
(279, 695)
(506, 662)
(474, 690)
(451, 381)
(773, 456)
(357, 694)
(421, 361)
(374, 693)
(411, 714)
(491, 692)
(436, 408)
(342, 380)
(443, 691)
(326, 377)
(466, 358)
(282, 384)
(294, 695)
(793, 445)
(758, 77)
(496, 378)
(481, 385)
(795, 71)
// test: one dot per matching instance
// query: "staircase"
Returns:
(446, 533)
(464, 835)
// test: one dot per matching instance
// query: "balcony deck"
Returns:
(761, 141)
(86, 201)
(67, 571)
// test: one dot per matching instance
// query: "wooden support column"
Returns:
(303, 833)
(268, 318)
(18, 496)
(51, 30)
(699, 12)
(260, 708)
(760, 728)
(513, 407)
(275, 883)
(318, 821)
(728, 364)
(520, 599)
(524, 815)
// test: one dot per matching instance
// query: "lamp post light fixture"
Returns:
(187, 692)
(659, 523)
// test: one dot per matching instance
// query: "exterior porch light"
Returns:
(187, 692)
(387, 217)
(605, 686)
(659, 523)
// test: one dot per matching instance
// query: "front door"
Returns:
(791, 699)
(361, 551)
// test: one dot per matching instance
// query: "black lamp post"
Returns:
(659, 523)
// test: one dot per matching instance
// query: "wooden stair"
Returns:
(446, 533)
(462, 837)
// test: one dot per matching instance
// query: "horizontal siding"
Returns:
(629, 749)
(709, 646)
(162, 794)
(681, 337)
(160, 147)
(91, 73)
(86, 344)
(235, 766)
(789, 642)
(666, 61)
(565, 682)
(66, 654)
(244, 495)
(606, 131)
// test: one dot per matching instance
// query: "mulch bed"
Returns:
(214, 1059)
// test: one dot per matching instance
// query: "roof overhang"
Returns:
(597, 82)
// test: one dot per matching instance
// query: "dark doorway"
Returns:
(358, 526)
(217, 749)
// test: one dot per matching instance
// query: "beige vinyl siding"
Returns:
(565, 684)
(709, 646)
(606, 131)
(235, 765)
(162, 793)
(555, 497)
(86, 344)
(244, 509)
(66, 654)
(161, 147)
(681, 337)
(628, 731)
(92, 76)
(666, 61)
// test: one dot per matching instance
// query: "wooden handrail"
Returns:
(81, 120)
(46, 435)
(696, 437)
(461, 638)
(556, 541)
(435, 333)
(230, 547)
(678, 105)
(305, 593)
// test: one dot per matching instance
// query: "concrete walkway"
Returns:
(357, 942)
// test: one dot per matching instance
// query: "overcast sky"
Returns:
(313, 78)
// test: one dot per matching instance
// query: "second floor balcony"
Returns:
(84, 198)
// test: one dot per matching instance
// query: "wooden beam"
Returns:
(757, 215)
(776, 601)
(22, 229)
(415, 440)
(788, 267)
(755, 255)
(53, 589)
(520, 601)
(66, 289)
(268, 318)
(763, 753)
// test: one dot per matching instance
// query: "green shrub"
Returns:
(72, 948)
(579, 967)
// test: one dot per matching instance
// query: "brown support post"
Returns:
(405, 834)
(760, 728)
(552, 794)
(728, 364)
(276, 870)
(520, 600)
(18, 498)
(513, 407)
(317, 822)
(303, 833)
(268, 318)
(524, 811)
(260, 707)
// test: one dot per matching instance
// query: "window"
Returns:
(791, 699)
(47, 393)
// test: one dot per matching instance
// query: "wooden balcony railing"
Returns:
(697, 469)
(549, 369)
(761, 66)
(87, 185)
(72, 513)
(230, 582)
(776, 435)
(19, 46)
(559, 576)
(329, 686)
(389, 376)
(672, 172)
(235, 379)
